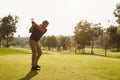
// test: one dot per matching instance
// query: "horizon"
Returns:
(63, 15)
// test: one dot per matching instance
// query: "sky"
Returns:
(63, 15)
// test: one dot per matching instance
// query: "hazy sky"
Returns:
(63, 15)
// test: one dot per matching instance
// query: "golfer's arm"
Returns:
(31, 29)
(43, 30)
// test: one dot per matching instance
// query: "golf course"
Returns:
(15, 64)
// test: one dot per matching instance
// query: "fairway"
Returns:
(60, 67)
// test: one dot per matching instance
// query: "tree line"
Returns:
(86, 34)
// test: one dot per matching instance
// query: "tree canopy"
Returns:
(8, 27)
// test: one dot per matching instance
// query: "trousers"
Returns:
(36, 51)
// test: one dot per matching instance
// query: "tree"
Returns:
(82, 35)
(43, 41)
(58, 43)
(51, 42)
(64, 42)
(114, 37)
(68, 42)
(117, 13)
(96, 31)
(8, 27)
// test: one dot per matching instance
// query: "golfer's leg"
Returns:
(39, 53)
(34, 52)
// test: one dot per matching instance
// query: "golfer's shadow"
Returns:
(30, 75)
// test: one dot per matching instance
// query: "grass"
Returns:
(12, 51)
(100, 51)
(57, 67)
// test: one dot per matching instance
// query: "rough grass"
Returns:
(58, 67)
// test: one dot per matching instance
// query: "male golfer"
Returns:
(37, 32)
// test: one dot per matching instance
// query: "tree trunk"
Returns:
(92, 52)
(106, 46)
(76, 49)
(7, 42)
(0, 43)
